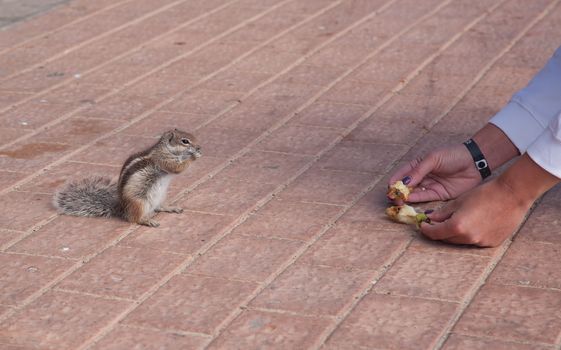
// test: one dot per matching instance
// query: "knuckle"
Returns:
(413, 163)
(432, 156)
(468, 236)
(457, 227)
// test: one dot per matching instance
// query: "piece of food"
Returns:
(399, 191)
(406, 214)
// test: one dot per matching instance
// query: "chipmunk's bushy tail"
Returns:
(94, 196)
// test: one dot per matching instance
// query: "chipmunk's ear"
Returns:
(168, 136)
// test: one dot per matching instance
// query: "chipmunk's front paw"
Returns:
(176, 210)
(149, 223)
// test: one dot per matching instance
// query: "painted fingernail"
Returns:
(406, 180)
(429, 211)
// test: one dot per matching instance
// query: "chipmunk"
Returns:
(142, 185)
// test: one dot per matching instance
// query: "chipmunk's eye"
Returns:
(185, 141)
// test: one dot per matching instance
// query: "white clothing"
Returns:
(532, 118)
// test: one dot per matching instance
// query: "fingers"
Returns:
(444, 213)
(457, 240)
(428, 195)
(450, 231)
(427, 191)
(422, 169)
(401, 172)
(415, 171)
(443, 226)
(438, 231)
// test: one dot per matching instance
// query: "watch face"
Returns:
(481, 164)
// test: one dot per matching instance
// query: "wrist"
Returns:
(481, 164)
(495, 146)
(526, 180)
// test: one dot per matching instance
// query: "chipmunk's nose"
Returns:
(197, 152)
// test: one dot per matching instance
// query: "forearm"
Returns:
(495, 146)
(526, 180)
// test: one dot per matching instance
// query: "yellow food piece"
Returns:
(399, 191)
(406, 214)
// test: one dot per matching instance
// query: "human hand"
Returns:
(443, 174)
(446, 173)
(488, 214)
(484, 217)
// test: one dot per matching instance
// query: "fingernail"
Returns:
(429, 211)
(406, 180)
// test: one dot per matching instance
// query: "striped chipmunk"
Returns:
(141, 189)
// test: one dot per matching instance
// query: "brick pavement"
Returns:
(303, 109)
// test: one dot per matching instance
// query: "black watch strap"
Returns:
(478, 158)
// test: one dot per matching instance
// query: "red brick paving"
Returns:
(303, 108)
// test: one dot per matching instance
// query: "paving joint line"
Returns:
(551, 289)
(27, 233)
(40, 256)
(231, 279)
(19, 190)
(23, 43)
(166, 251)
(249, 235)
(400, 295)
(167, 331)
(94, 295)
(288, 312)
(486, 337)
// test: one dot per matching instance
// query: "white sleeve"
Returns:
(546, 150)
(527, 116)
